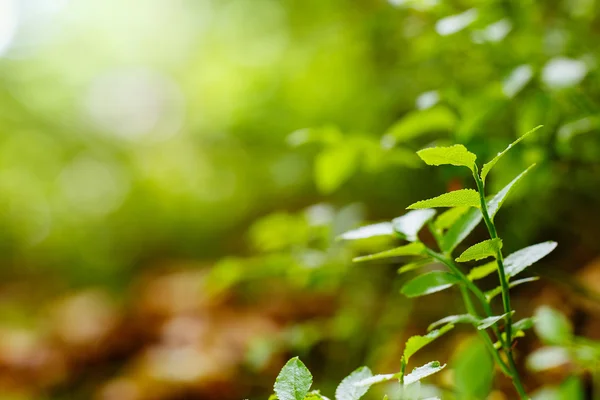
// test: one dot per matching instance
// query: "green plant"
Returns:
(467, 208)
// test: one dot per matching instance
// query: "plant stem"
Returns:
(489, 223)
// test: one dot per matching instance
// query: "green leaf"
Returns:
(487, 167)
(315, 395)
(424, 371)
(412, 249)
(523, 324)
(347, 390)
(489, 321)
(454, 319)
(462, 197)
(487, 248)
(546, 358)
(572, 389)
(409, 225)
(416, 343)
(368, 382)
(473, 370)
(414, 265)
(417, 123)
(364, 232)
(461, 229)
(294, 380)
(482, 271)
(552, 327)
(490, 294)
(496, 202)
(454, 155)
(428, 283)
(518, 261)
(334, 166)
(449, 217)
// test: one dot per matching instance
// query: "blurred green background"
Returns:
(173, 174)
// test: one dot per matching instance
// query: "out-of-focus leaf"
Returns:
(490, 294)
(416, 343)
(335, 165)
(294, 381)
(414, 265)
(482, 271)
(424, 371)
(523, 324)
(487, 248)
(547, 358)
(364, 232)
(518, 261)
(347, 390)
(421, 122)
(412, 249)
(456, 198)
(473, 370)
(489, 321)
(454, 319)
(454, 155)
(428, 283)
(496, 202)
(449, 217)
(571, 389)
(552, 327)
(409, 225)
(461, 229)
(326, 134)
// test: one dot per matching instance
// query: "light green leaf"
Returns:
(416, 343)
(409, 225)
(412, 249)
(461, 229)
(294, 380)
(552, 327)
(489, 321)
(487, 248)
(518, 261)
(487, 167)
(364, 232)
(428, 283)
(482, 271)
(347, 390)
(414, 265)
(315, 395)
(572, 389)
(547, 358)
(334, 166)
(454, 319)
(417, 123)
(424, 371)
(490, 294)
(449, 217)
(523, 324)
(368, 382)
(496, 202)
(454, 155)
(456, 198)
(473, 371)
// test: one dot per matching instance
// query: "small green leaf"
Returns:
(422, 372)
(487, 167)
(489, 321)
(552, 327)
(518, 261)
(428, 283)
(412, 249)
(454, 155)
(449, 217)
(461, 229)
(482, 271)
(409, 225)
(487, 248)
(416, 343)
(335, 165)
(420, 122)
(523, 324)
(490, 294)
(414, 265)
(454, 319)
(294, 381)
(364, 232)
(496, 202)
(456, 198)
(347, 390)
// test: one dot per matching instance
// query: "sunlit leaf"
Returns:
(409, 225)
(490, 294)
(364, 232)
(552, 327)
(428, 283)
(454, 319)
(487, 248)
(449, 217)
(496, 202)
(416, 343)
(347, 390)
(454, 155)
(488, 166)
(456, 198)
(482, 271)
(334, 166)
(412, 249)
(518, 261)
(294, 381)
(376, 379)
(489, 321)
(424, 371)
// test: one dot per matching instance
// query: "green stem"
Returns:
(503, 284)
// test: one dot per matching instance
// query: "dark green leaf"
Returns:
(428, 283)
(294, 380)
